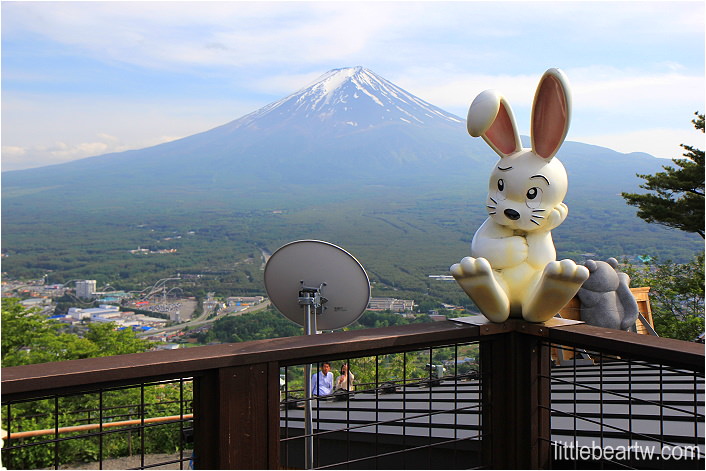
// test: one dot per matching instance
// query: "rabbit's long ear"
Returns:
(551, 113)
(490, 117)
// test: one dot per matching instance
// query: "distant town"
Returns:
(158, 313)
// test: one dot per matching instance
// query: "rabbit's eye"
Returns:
(499, 194)
(534, 197)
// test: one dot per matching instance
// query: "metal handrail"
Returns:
(86, 427)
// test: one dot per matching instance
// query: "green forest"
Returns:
(400, 235)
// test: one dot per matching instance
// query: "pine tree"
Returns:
(677, 198)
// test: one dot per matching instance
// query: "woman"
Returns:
(345, 381)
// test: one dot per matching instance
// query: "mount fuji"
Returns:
(349, 125)
(350, 128)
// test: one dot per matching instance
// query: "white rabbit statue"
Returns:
(512, 270)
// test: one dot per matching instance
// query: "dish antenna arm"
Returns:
(311, 299)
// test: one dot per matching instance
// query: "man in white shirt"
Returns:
(322, 382)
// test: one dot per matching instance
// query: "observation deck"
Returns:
(514, 406)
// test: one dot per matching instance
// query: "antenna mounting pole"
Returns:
(310, 298)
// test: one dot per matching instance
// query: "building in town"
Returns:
(392, 304)
(86, 289)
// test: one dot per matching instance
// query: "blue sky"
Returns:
(86, 78)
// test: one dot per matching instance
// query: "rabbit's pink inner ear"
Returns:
(502, 132)
(549, 118)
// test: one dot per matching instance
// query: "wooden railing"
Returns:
(236, 403)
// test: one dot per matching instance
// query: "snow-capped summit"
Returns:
(352, 97)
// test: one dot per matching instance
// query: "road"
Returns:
(203, 319)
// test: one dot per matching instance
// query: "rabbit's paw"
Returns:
(566, 271)
(557, 216)
(470, 267)
(475, 276)
(515, 251)
(559, 282)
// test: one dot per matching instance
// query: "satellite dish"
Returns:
(321, 269)
(317, 285)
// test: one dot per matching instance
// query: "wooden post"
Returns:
(516, 395)
(236, 419)
(205, 421)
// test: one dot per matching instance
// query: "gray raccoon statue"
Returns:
(606, 300)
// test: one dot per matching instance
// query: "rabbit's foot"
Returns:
(475, 276)
(559, 282)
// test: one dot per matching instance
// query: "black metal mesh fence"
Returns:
(130, 427)
(612, 412)
(407, 410)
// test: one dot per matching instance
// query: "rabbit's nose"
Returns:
(512, 214)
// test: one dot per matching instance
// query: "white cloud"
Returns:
(63, 151)
(609, 87)
(600, 95)
(16, 158)
(594, 87)
(456, 91)
(206, 33)
(107, 137)
(179, 34)
(13, 151)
